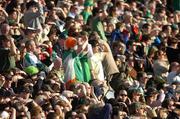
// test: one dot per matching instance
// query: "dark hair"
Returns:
(47, 106)
(140, 74)
(172, 40)
(165, 27)
(4, 38)
(146, 37)
(28, 43)
(93, 43)
(145, 26)
(112, 10)
(119, 25)
(115, 112)
(166, 103)
(52, 115)
(31, 4)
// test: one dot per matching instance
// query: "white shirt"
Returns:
(96, 66)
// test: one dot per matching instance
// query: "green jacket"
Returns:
(98, 27)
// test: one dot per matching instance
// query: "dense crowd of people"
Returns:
(89, 59)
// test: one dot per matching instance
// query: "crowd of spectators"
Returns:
(89, 59)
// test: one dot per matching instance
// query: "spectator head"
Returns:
(167, 29)
(151, 94)
(32, 6)
(79, 19)
(5, 41)
(122, 95)
(175, 29)
(136, 94)
(152, 52)
(155, 31)
(120, 26)
(119, 48)
(118, 113)
(30, 46)
(137, 109)
(74, 9)
(168, 104)
(95, 45)
(173, 41)
(113, 11)
(95, 111)
(146, 28)
(174, 66)
(58, 63)
(52, 115)
(94, 36)
(25, 92)
(120, 4)
(128, 17)
(5, 29)
(13, 14)
(37, 112)
(163, 113)
(101, 13)
(142, 77)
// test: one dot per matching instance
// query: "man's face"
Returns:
(136, 96)
(141, 111)
(5, 29)
(34, 9)
(123, 97)
(103, 15)
(33, 46)
(32, 33)
(6, 44)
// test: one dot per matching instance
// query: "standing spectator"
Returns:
(97, 24)
(33, 15)
(7, 53)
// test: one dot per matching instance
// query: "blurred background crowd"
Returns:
(89, 59)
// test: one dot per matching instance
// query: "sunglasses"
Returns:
(123, 95)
